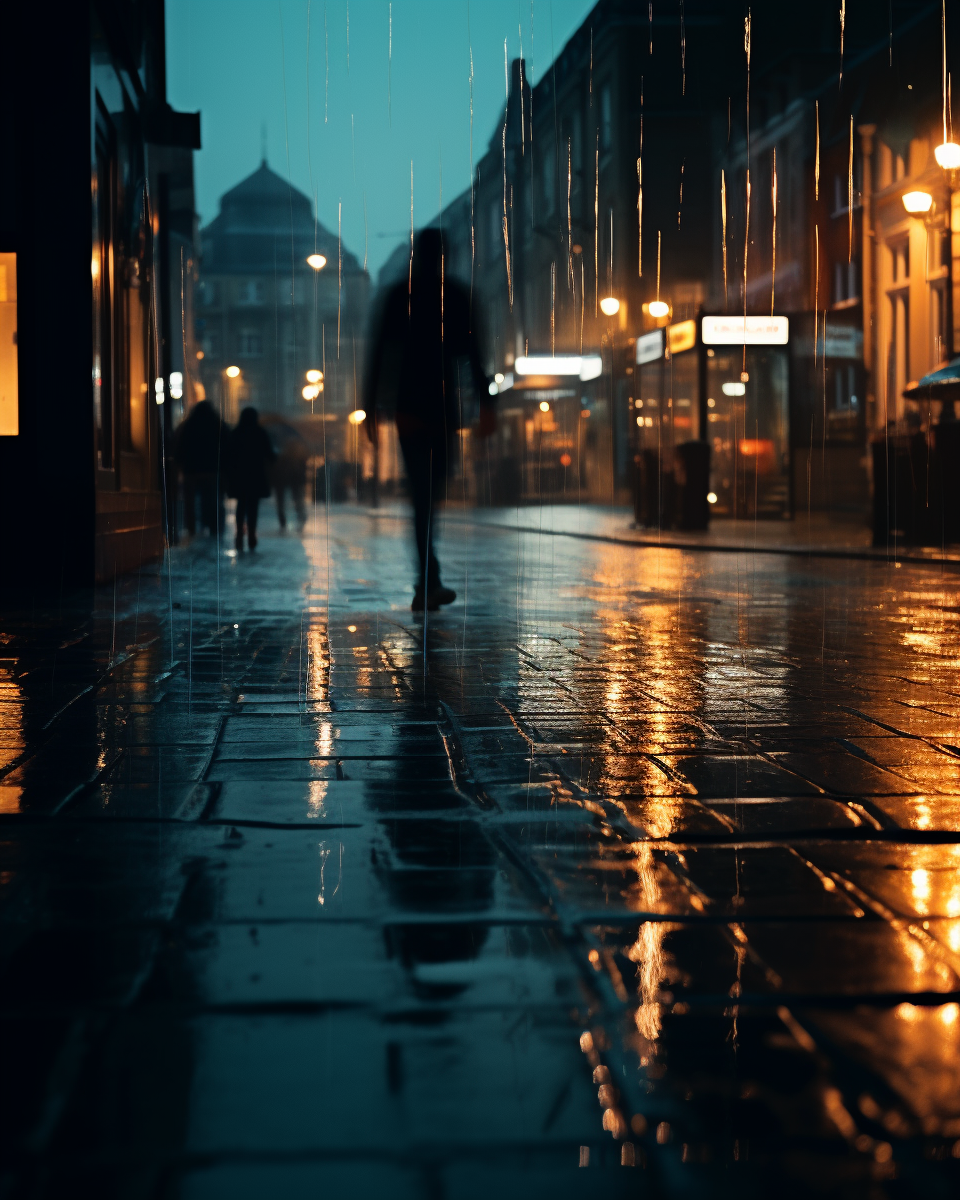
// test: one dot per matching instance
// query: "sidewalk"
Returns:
(818, 535)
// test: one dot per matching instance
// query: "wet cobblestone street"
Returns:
(632, 873)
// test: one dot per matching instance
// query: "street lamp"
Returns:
(233, 372)
(357, 417)
(317, 261)
(314, 376)
(917, 203)
(609, 306)
(947, 155)
(658, 309)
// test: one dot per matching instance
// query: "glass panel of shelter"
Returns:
(747, 421)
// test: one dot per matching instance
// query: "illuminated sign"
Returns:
(650, 347)
(749, 331)
(682, 336)
(587, 366)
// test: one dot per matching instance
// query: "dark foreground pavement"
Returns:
(634, 875)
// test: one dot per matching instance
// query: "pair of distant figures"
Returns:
(209, 454)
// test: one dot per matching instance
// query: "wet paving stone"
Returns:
(636, 875)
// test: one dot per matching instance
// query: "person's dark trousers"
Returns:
(204, 488)
(426, 467)
(247, 509)
(299, 503)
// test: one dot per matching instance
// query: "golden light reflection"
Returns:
(12, 742)
(647, 950)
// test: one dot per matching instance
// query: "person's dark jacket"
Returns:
(249, 454)
(425, 353)
(199, 442)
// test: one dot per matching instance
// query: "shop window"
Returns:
(9, 373)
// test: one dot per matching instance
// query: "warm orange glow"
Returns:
(233, 372)
(565, 460)
(317, 261)
(917, 203)
(947, 155)
(544, 406)
(755, 447)
(658, 309)
(314, 376)
(609, 306)
(357, 417)
(199, 355)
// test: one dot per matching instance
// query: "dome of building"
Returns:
(263, 225)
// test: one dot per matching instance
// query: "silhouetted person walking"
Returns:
(424, 350)
(249, 454)
(199, 453)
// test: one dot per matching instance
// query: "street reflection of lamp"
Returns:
(357, 417)
(609, 306)
(917, 203)
(314, 376)
(317, 261)
(947, 155)
(658, 309)
(233, 372)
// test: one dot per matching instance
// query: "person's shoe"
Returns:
(252, 539)
(435, 597)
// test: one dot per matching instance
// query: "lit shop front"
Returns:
(553, 442)
(728, 388)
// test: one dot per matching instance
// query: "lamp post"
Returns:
(947, 155)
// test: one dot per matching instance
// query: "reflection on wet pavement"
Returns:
(636, 873)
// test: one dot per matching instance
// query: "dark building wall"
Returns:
(80, 493)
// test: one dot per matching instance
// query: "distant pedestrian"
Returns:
(198, 451)
(289, 470)
(424, 350)
(249, 454)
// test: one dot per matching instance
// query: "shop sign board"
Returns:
(650, 347)
(749, 331)
(682, 336)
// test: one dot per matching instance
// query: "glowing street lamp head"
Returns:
(609, 306)
(917, 203)
(544, 406)
(312, 391)
(314, 376)
(317, 261)
(948, 156)
(658, 309)
(233, 372)
(357, 417)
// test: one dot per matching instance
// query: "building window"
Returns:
(211, 345)
(846, 284)
(900, 262)
(207, 293)
(9, 371)
(250, 344)
(251, 292)
(606, 118)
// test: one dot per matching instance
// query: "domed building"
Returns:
(279, 296)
